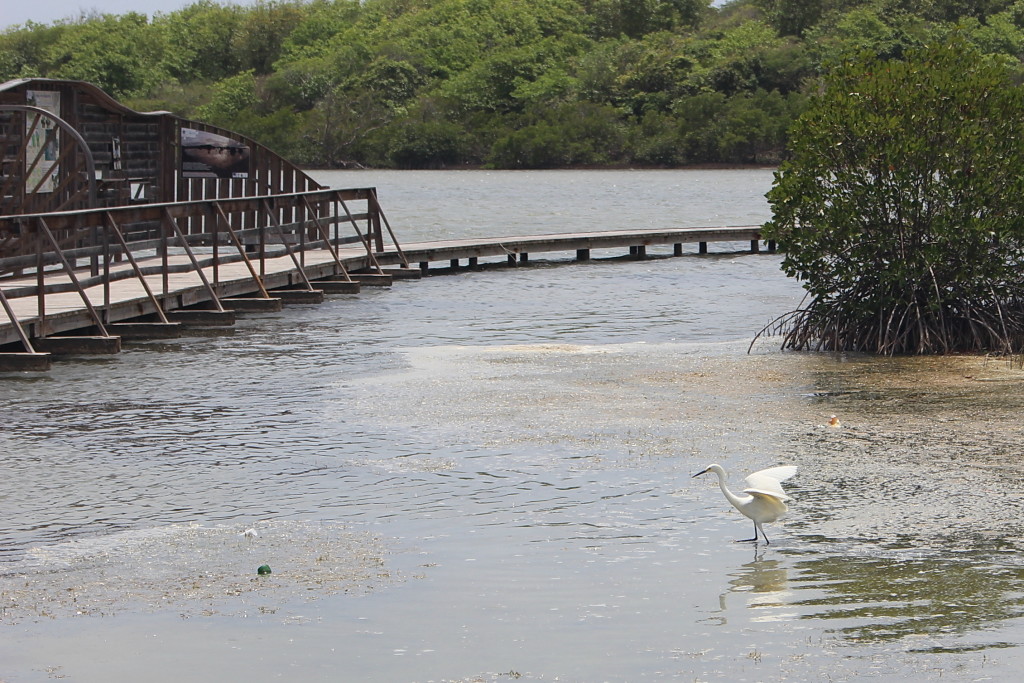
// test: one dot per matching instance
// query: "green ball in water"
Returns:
(264, 569)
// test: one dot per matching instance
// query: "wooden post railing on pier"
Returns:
(78, 281)
(156, 244)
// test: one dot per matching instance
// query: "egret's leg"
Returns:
(751, 540)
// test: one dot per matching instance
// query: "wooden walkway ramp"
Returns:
(90, 299)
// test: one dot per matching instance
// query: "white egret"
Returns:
(763, 499)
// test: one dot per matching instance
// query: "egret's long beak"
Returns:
(698, 474)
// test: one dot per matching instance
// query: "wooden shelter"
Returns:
(69, 145)
(110, 205)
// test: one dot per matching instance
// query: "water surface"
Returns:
(486, 476)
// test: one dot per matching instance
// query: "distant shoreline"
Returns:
(693, 167)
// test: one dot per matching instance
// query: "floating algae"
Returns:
(191, 569)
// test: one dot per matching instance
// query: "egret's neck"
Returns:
(729, 495)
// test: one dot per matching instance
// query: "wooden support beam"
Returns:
(70, 272)
(79, 346)
(142, 330)
(325, 234)
(365, 241)
(25, 341)
(200, 318)
(582, 254)
(373, 279)
(454, 263)
(338, 286)
(300, 296)
(424, 267)
(403, 273)
(755, 246)
(524, 257)
(702, 247)
(772, 246)
(299, 267)
(677, 249)
(169, 220)
(376, 208)
(258, 304)
(113, 227)
(25, 362)
(222, 216)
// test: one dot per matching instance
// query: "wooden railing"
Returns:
(70, 251)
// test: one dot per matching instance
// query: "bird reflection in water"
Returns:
(764, 583)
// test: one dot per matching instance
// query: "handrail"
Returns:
(143, 223)
(38, 252)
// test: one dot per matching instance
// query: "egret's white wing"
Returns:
(766, 507)
(769, 482)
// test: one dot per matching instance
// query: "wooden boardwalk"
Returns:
(138, 230)
(213, 293)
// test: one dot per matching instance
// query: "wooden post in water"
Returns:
(702, 248)
(677, 249)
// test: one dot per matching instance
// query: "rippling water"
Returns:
(485, 476)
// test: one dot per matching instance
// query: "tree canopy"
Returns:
(902, 207)
(506, 83)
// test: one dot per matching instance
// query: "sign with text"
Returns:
(43, 147)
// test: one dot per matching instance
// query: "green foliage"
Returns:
(525, 82)
(636, 18)
(258, 42)
(231, 97)
(425, 144)
(573, 134)
(868, 29)
(277, 130)
(199, 40)
(902, 207)
(390, 82)
(323, 20)
(118, 53)
(24, 50)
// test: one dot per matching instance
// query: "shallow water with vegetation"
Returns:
(485, 476)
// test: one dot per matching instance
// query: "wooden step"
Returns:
(202, 318)
(259, 304)
(25, 362)
(141, 330)
(300, 296)
(338, 286)
(78, 346)
(373, 279)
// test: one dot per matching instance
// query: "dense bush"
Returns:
(902, 208)
(517, 83)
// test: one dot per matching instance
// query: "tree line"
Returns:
(499, 83)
